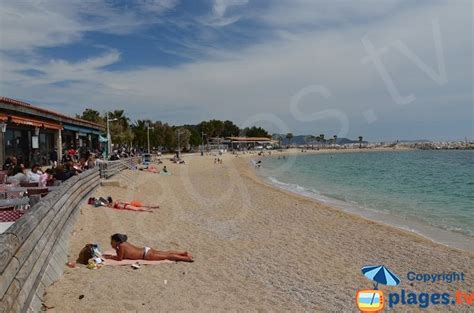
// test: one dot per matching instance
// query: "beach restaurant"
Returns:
(30, 133)
(248, 142)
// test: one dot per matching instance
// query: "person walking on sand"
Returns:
(128, 251)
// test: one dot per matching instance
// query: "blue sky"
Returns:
(289, 65)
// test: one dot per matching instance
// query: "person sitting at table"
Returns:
(90, 162)
(60, 173)
(73, 168)
(34, 176)
(79, 166)
(17, 175)
(10, 163)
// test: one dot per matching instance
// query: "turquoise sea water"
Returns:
(434, 188)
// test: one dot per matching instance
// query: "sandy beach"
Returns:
(256, 248)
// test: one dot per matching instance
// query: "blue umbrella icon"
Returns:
(380, 275)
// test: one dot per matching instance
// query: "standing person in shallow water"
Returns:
(128, 251)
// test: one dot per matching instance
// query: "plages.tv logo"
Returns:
(372, 300)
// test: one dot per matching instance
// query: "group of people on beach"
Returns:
(177, 160)
(17, 173)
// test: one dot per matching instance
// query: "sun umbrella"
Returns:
(380, 275)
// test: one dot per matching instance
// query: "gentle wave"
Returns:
(298, 189)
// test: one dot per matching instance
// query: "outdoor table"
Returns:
(37, 191)
(15, 189)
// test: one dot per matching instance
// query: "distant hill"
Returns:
(300, 140)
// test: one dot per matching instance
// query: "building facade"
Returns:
(31, 133)
(245, 143)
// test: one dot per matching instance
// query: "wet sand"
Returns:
(257, 248)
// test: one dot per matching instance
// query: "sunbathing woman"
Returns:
(128, 251)
(131, 206)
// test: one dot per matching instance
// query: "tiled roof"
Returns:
(249, 139)
(62, 117)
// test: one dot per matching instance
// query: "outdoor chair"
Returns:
(37, 191)
(3, 177)
(23, 184)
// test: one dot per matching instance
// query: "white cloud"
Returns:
(263, 78)
(29, 24)
(221, 16)
(158, 6)
(297, 13)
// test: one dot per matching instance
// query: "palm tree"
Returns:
(308, 139)
(120, 130)
(360, 141)
(121, 117)
(289, 136)
(312, 138)
(321, 138)
(335, 140)
(278, 138)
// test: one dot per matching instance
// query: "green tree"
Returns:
(307, 140)
(184, 136)
(311, 139)
(212, 128)
(230, 129)
(122, 119)
(208, 128)
(140, 133)
(120, 130)
(91, 115)
(168, 136)
(335, 140)
(289, 137)
(195, 135)
(278, 138)
(255, 131)
(322, 139)
(360, 141)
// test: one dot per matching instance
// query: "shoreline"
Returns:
(436, 235)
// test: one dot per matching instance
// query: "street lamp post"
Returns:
(148, 135)
(202, 143)
(179, 144)
(3, 129)
(109, 138)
